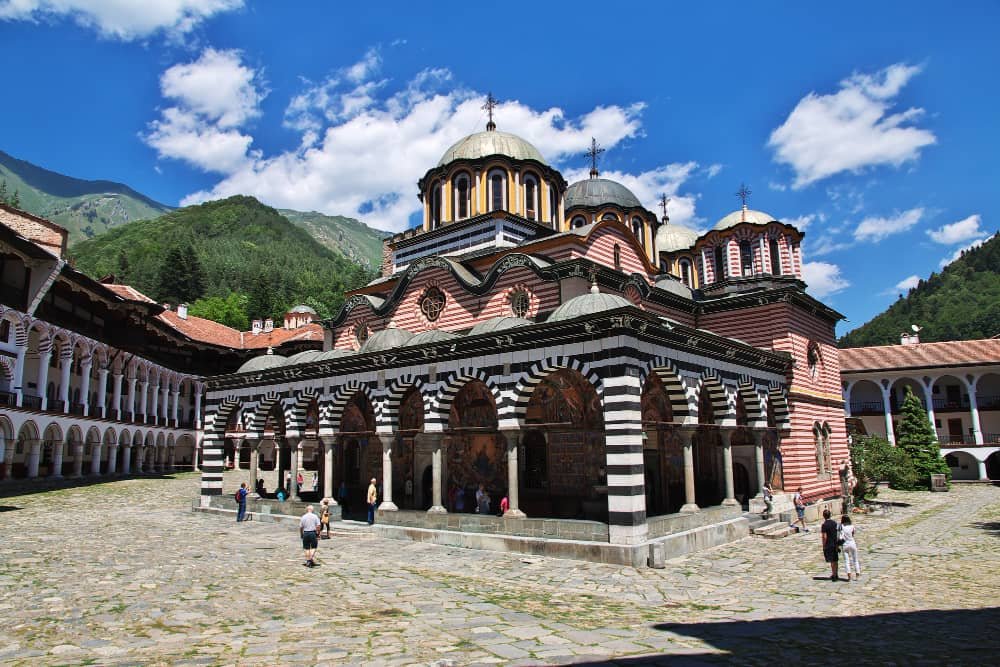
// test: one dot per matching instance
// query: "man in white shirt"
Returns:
(309, 532)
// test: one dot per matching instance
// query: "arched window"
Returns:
(685, 265)
(775, 257)
(820, 453)
(637, 229)
(618, 256)
(436, 204)
(498, 190)
(746, 258)
(578, 221)
(720, 262)
(461, 186)
(609, 216)
(530, 198)
(553, 205)
(664, 267)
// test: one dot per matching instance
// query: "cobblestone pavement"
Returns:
(125, 573)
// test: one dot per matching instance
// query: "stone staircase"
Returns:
(352, 529)
(772, 529)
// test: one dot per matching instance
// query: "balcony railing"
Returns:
(8, 398)
(77, 409)
(989, 440)
(55, 405)
(988, 402)
(31, 402)
(944, 405)
(866, 408)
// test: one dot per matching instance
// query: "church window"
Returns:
(578, 221)
(520, 303)
(432, 303)
(664, 266)
(361, 332)
(746, 258)
(609, 216)
(618, 256)
(553, 204)
(685, 265)
(530, 198)
(775, 257)
(820, 453)
(720, 262)
(638, 230)
(436, 204)
(462, 197)
(498, 183)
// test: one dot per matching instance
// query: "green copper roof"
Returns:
(598, 192)
(491, 142)
(588, 304)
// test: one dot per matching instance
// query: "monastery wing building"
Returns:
(617, 377)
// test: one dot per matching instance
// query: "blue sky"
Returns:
(871, 127)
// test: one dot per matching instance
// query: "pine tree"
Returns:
(181, 278)
(3, 191)
(123, 266)
(916, 437)
(15, 200)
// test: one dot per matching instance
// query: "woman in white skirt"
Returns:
(850, 547)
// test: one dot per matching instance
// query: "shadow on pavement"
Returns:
(942, 637)
(23, 487)
(9, 508)
(991, 527)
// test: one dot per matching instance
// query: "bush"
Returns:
(874, 460)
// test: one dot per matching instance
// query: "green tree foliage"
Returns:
(10, 200)
(181, 278)
(916, 437)
(875, 459)
(243, 247)
(231, 310)
(960, 303)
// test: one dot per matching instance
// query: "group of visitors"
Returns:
(839, 538)
(483, 504)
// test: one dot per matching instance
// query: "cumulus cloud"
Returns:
(851, 129)
(958, 253)
(908, 283)
(823, 279)
(958, 232)
(120, 19)
(365, 142)
(803, 221)
(213, 97)
(875, 228)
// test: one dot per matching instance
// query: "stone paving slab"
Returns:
(124, 573)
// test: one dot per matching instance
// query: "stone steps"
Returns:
(773, 528)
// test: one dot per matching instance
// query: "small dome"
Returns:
(745, 215)
(333, 354)
(386, 339)
(598, 192)
(491, 142)
(674, 286)
(431, 336)
(671, 238)
(303, 309)
(263, 362)
(588, 304)
(303, 357)
(498, 324)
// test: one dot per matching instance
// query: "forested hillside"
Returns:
(234, 259)
(351, 238)
(960, 303)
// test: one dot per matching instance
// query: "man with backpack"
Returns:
(241, 502)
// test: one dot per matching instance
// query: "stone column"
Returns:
(65, 366)
(623, 458)
(254, 463)
(293, 480)
(77, 459)
(34, 453)
(197, 407)
(887, 404)
(95, 459)
(140, 458)
(758, 456)
(43, 376)
(129, 407)
(928, 396)
(977, 430)
(327, 443)
(690, 503)
(155, 401)
(434, 439)
(127, 459)
(388, 440)
(85, 369)
(982, 470)
(112, 458)
(176, 399)
(116, 396)
(18, 385)
(102, 393)
(848, 387)
(165, 404)
(170, 458)
(57, 459)
(727, 469)
(513, 509)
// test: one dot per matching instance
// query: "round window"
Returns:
(520, 303)
(361, 332)
(432, 303)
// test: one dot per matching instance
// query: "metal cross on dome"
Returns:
(593, 152)
(744, 193)
(491, 104)
(664, 200)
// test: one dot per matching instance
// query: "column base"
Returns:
(730, 502)
(691, 508)
(514, 514)
(388, 506)
(437, 509)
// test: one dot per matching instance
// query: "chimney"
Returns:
(182, 311)
(909, 339)
(255, 327)
(166, 306)
(268, 325)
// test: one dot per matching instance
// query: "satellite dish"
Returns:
(915, 328)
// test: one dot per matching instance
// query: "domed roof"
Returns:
(491, 142)
(303, 357)
(431, 336)
(386, 339)
(670, 238)
(744, 215)
(498, 324)
(302, 308)
(600, 191)
(333, 354)
(674, 286)
(593, 302)
(263, 362)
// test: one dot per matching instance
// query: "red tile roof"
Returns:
(128, 292)
(280, 336)
(200, 329)
(952, 353)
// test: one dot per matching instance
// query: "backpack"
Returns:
(238, 494)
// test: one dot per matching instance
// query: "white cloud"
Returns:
(803, 221)
(875, 229)
(958, 232)
(958, 253)
(823, 279)
(214, 96)
(907, 283)
(121, 19)
(713, 170)
(364, 146)
(851, 129)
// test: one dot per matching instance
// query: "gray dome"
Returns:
(333, 354)
(671, 238)
(591, 303)
(674, 286)
(386, 339)
(744, 215)
(431, 336)
(498, 324)
(491, 142)
(599, 191)
(263, 362)
(303, 309)
(303, 357)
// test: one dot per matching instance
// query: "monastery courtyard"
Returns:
(125, 573)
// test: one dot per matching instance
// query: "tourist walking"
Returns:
(768, 501)
(324, 518)
(371, 500)
(241, 503)
(831, 550)
(315, 482)
(850, 547)
(308, 531)
(800, 510)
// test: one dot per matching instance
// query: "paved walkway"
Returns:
(125, 573)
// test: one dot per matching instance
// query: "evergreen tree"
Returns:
(122, 265)
(15, 200)
(181, 278)
(3, 191)
(916, 437)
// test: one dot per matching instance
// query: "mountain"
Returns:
(960, 303)
(84, 208)
(352, 238)
(244, 252)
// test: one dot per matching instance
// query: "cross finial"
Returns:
(744, 194)
(664, 200)
(491, 104)
(593, 152)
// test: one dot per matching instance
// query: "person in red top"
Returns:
(504, 505)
